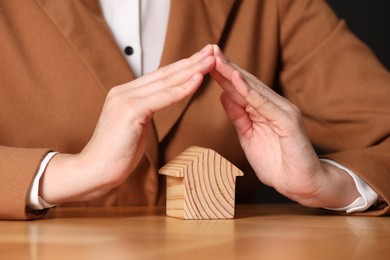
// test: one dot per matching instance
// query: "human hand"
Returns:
(274, 139)
(120, 137)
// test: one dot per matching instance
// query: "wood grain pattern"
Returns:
(200, 185)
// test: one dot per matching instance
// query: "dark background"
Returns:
(370, 21)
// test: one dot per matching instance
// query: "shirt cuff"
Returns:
(33, 200)
(367, 195)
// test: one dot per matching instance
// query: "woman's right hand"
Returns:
(119, 139)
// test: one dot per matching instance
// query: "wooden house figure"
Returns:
(200, 185)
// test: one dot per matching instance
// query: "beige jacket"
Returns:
(58, 61)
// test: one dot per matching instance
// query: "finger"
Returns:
(169, 69)
(259, 86)
(218, 53)
(277, 117)
(148, 105)
(171, 80)
(224, 67)
(227, 69)
(228, 87)
(236, 113)
(224, 78)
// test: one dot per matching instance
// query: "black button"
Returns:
(129, 50)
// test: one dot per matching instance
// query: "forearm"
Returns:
(69, 178)
(337, 189)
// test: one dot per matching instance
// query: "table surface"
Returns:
(284, 231)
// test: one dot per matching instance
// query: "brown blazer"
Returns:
(58, 61)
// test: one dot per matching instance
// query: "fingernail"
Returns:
(216, 48)
(205, 48)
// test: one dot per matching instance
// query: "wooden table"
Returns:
(259, 232)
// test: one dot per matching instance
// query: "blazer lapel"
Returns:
(192, 25)
(83, 26)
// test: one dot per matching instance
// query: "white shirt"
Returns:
(141, 26)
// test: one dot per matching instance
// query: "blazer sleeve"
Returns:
(17, 171)
(342, 90)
